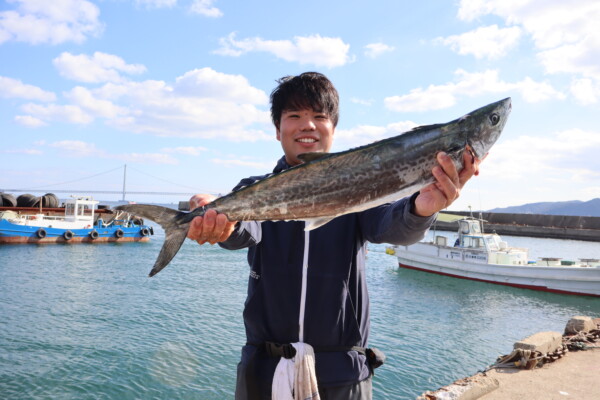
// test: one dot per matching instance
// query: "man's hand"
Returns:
(212, 227)
(448, 184)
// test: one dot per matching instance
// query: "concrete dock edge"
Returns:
(540, 367)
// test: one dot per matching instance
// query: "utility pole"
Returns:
(124, 180)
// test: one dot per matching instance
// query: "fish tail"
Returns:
(175, 223)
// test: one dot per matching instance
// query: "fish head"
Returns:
(485, 125)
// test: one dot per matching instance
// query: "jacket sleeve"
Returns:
(395, 223)
(245, 234)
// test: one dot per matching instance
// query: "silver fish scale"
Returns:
(343, 182)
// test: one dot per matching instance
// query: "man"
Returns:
(310, 287)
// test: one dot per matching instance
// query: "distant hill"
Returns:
(578, 208)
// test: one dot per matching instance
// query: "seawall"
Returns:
(534, 225)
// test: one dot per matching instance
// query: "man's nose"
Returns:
(308, 124)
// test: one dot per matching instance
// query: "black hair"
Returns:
(309, 90)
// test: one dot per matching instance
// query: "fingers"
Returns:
(199, 200)
(210, 228)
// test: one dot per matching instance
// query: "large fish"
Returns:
(328, 185)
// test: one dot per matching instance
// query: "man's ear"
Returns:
(277, 134)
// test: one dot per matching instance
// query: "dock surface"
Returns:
(574, 376)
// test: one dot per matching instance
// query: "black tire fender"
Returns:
(41, 233)
(119, 233)
(94, 234)
(68, 235)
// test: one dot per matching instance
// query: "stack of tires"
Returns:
(49, 200)
(7, 200)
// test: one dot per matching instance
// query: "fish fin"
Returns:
(426, 127)
(308, 157)
(161, 215)
(174, 238)
(315, 223)
(175, 223)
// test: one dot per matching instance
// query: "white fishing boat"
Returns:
(485, 257)
(80, 223)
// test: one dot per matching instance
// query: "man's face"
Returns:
(304, 131)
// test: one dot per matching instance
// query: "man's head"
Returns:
(304, 109)
(309, 90)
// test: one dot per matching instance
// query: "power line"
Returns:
(78, 180)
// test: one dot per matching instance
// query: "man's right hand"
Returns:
(213, 227)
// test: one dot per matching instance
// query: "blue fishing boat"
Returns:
(79, 223)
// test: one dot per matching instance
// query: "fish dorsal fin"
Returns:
(308, 157)
(315, 223)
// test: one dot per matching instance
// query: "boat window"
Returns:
(492, 243)
(472, 242)
(70, 209)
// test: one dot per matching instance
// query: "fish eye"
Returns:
(494, 119)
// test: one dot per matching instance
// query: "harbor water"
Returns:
(84, 322)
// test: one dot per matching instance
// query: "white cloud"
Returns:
(436, 97)
(54, 112)
(85, 99)
(185, 150)
(146, 158)
(243, 163)
(202, 103)
(29, 152)
(365, 134)
(205, 7)
(81, 149)
(156, 3)
(14, 88)
(374, 50)
(29, 121)
(100, 67)
(585, 91)
(363, 102)
(562, 156)
(484, 42)
(565, 33)
(54, 22)
(315, 49)
(76, 148)
(208, 83)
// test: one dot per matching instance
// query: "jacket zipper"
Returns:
(303, 293)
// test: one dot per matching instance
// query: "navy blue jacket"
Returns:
(336, 306)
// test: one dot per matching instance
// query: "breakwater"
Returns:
(534, 225)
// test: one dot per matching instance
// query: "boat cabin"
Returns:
(80, 209)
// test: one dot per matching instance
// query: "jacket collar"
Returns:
(282, 165)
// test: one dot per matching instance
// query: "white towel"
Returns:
(295, 378)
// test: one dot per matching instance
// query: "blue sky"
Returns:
(178, 89)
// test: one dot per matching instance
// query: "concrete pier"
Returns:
(539, 368)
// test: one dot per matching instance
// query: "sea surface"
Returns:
(84, 322)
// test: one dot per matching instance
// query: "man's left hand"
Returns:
(448, 184)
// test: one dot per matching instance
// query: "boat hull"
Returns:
(14, 233)
(472, 265)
